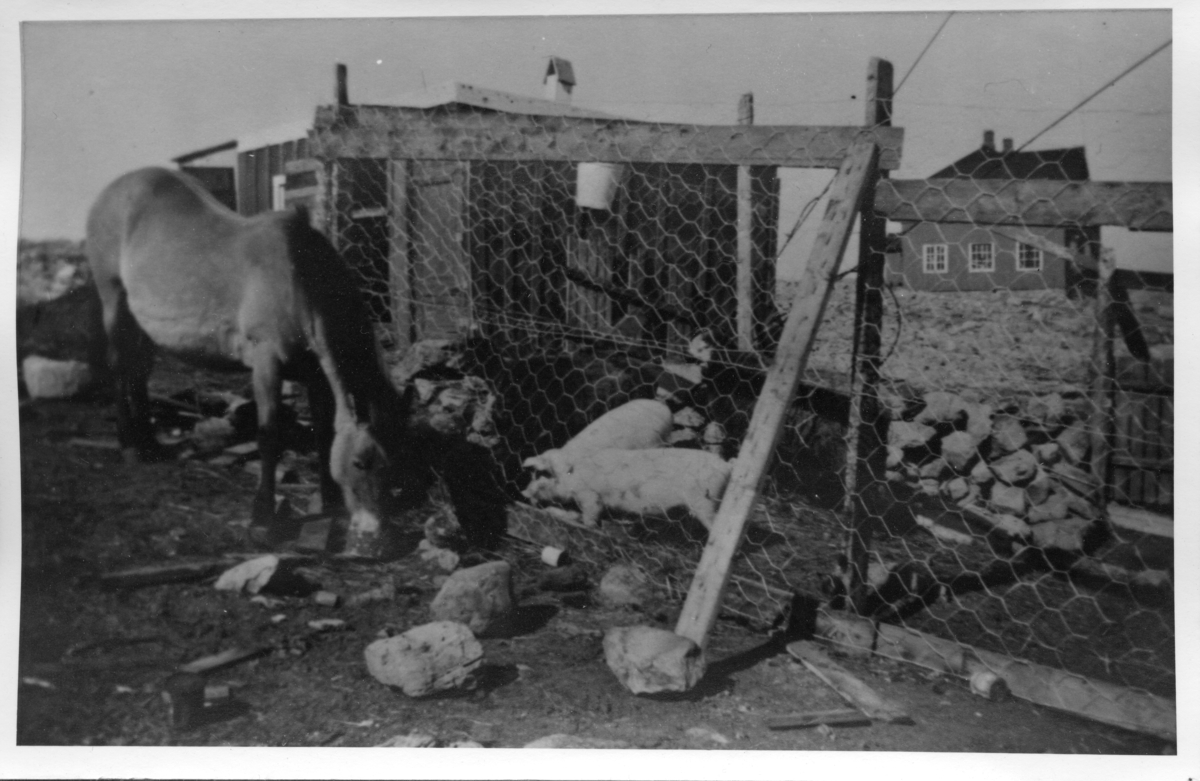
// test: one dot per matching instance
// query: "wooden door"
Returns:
(440, 281)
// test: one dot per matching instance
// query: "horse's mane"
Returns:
(333, 293)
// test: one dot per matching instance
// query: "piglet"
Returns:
(638, 424)
(653, 481)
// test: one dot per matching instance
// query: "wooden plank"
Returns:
(1042, 202)
(1107, 703)
(851, 689)
(156, 574)
(1136, 519)
(869, 418)
(704, 597)
(841, 717)
(386, 131)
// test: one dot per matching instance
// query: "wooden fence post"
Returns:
(868, 419)
(1103, 370)
(341, 92)
(745, 241)
(712, 573)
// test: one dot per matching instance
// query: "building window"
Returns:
(278, 191)
(933, 258)
(983, 258)
(1029, 258)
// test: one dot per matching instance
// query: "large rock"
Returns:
(427, 659)
(942, 407)
(1008, 499)
(960, 450)
(1069, 534)
(906, 436)
(1055, 508)
(1075, 442)
(480, 597)
(979, 421)
(46, 378)
(1008, 435)
(648, 660)
(1016, 468)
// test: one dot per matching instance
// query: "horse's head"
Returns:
(360, 465)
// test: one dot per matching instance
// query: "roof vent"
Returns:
(989, 140)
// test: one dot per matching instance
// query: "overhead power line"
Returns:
(922, 54)
(1084, 102)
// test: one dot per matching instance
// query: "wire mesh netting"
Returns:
(568, 286)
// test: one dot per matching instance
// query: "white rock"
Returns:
(427, 659)
(480, 597)
(50, 379)
(249, 576)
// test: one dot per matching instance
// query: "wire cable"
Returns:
(922, 54)
(1084, 102)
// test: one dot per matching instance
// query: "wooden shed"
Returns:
(444, 245)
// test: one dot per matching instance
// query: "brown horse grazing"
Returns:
(178, 270)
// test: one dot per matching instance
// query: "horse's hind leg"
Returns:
(267, 384)
(131, 358)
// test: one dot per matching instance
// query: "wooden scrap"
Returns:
(242, 449)
(223, 659)
(1138, 520)
(873, 704)
(842, 717)
(157, 574)
(944, 533)
(94, 442)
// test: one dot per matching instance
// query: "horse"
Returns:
(176, 270)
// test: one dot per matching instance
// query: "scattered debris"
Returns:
(384, 593)
(326, 598)
(446, 560)
(46, 378)
(427, 659)
(223, 659)
(842, 717)
(707, 734)
(411, 740)
(184, 694)
(559, 740)
(327, 625)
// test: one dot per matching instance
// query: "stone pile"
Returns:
(1020, 466)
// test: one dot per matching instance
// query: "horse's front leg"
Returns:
(267, 384)
(321, 407)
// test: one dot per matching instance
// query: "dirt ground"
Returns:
(93, 659)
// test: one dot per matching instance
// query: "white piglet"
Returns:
(635, 425)
(651, 482)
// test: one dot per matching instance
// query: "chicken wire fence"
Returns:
(569, 285)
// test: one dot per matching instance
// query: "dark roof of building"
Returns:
(989, 163)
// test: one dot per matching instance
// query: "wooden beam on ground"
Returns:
(392, 132)
(712, 574)
(841, 717)
(1041, 202)
(1041, 685)
(851, 689)
(1138, 520)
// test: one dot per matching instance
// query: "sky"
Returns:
(101, 98)
(98, 98)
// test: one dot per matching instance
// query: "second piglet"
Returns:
(638, 424)
(652, 482)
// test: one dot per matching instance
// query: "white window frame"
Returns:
(930, 259)
(976, 266)
(278, 191)
(1027, 253)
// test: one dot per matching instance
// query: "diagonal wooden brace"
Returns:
(704, 598)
